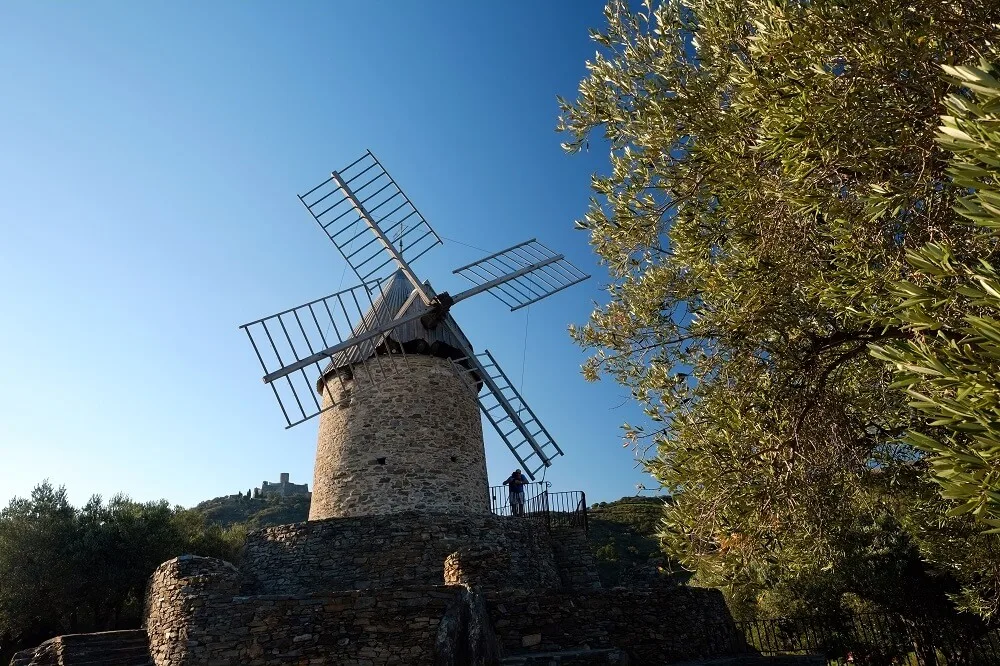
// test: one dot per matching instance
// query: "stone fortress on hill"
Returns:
(283, 488)
(404, 561)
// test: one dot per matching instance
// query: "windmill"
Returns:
(387, 368)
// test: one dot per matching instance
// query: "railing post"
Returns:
(583, 500)
(548, 510)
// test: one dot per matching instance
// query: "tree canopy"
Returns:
(772, 164)
(69, 570)
(950, 364)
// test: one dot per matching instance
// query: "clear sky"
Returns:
(150, 154)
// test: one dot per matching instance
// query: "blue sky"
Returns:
(150, 154)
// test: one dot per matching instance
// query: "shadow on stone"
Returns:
(465, 635)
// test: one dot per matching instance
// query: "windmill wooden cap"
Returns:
(396, 297)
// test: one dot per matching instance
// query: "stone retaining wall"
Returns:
(186, 599)
(574, 561)
(194, 619)
(356, 628)
(656, 626)
(478, 568)
(368, 590)
(395, 550)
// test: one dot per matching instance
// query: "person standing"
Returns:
(516, 483)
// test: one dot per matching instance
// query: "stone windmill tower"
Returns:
(396, 383)
(402, 561)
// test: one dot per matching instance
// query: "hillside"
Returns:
(255, 513)
(623, 539)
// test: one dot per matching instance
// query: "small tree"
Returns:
(38, 547)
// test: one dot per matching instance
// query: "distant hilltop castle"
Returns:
(283, 488)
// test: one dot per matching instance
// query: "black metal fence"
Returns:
(869, 640)
(562, 509)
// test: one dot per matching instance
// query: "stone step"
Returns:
(93, 658)
(585, 657)
(111, 648)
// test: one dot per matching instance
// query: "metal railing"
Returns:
(561, 509)
(500, 503)
(567, 509)
(869, 639)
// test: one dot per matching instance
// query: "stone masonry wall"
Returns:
(183, 598)
(484, 567)
(574, 561)
(193, 619)
(197, 616)
(45, 654)
(393, 550)
(413, 442)
(656, 626)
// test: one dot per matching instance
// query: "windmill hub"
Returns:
(440, 305)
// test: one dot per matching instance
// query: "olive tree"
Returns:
(771, 164)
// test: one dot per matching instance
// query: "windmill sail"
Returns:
(295, 345)
(357, 330)
(520, 275)
(365, 213)
(508, 413)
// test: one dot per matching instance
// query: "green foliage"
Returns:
(772, 162)
(951, 307)
(623, 538)
(37, 553)
(67, 570)
(255, 513)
